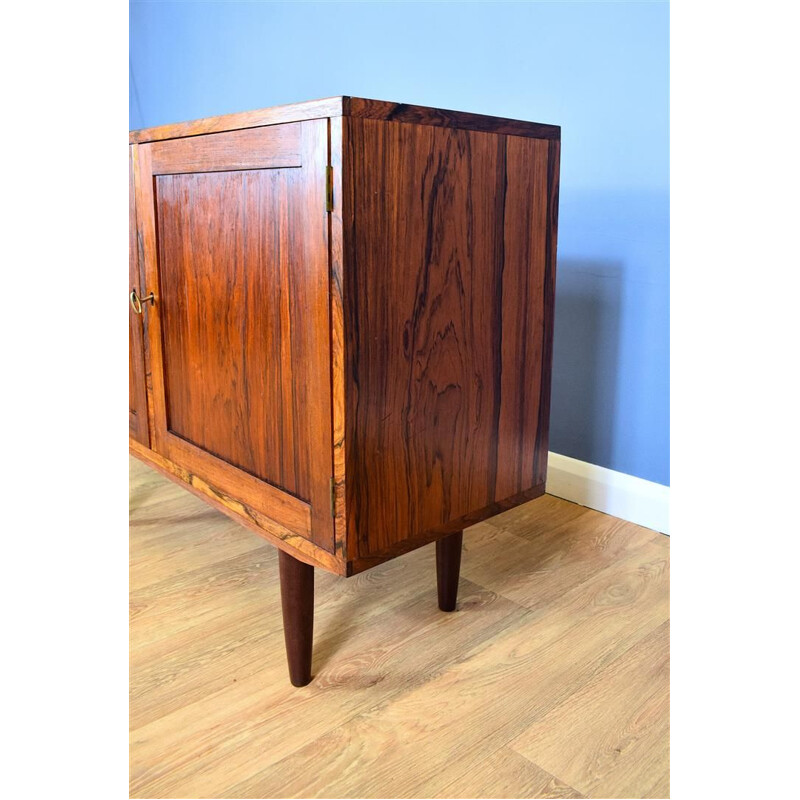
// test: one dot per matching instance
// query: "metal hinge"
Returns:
(329, 188)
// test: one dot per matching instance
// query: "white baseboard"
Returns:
(624, 496)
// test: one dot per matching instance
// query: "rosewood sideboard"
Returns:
(341, 322)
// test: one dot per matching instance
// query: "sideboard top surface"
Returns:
(347, 107)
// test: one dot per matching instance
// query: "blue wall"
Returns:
(600, 70)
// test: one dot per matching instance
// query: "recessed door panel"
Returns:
(234, 320)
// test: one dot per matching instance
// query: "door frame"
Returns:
(300, 144)
(138, 426)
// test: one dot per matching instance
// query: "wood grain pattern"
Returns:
(213, 716)
(544, 659)
(146, 235)
(274, 115)
(333, 107)
(233, 320)
(145, 248)
(443, 118)
(547, 544)
(295, 543)
(623, 751)
(315, 265)
(445, 238)
(137, 393)
(504, 774)
(549, 304)
(407, 333)
(338, 343)
(351, 339)
(403, 546)
(277, 146)
(239, 335)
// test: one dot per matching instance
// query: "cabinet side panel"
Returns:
(445, 263)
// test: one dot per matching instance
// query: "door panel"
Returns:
(236, 246)
(231, 304)
(137, 395)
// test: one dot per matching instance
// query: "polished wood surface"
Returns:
(446, 238)
(338, 342)
(448, 566)
(297, 604)
(276, 534)
(549, 305)
(274, 115)
(350, 345)
(137, 394)
(333, 107)
(548, 681)
(404, 546)
(239, 334)
(232, 318)
(443, 118)
(368, 372)
(273, 147)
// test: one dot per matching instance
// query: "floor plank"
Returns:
(611, 737)
(505, 773)
(483, 700)
(555, 603)
(515, 552)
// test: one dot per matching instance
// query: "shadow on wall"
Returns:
(585, 359)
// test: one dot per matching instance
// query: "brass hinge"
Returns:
(329, 188)
(333, 497)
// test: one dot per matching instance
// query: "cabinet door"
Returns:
(137, 395)
(235, 241)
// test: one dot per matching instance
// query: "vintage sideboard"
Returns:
(341, 323)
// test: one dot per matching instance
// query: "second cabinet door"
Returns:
(235, 239)
(137, 391)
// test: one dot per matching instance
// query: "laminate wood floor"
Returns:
(550, 680)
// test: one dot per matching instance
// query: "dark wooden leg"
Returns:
(448, 565)
(297, 599)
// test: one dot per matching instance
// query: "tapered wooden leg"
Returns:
(297, 599)
(448, 566)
